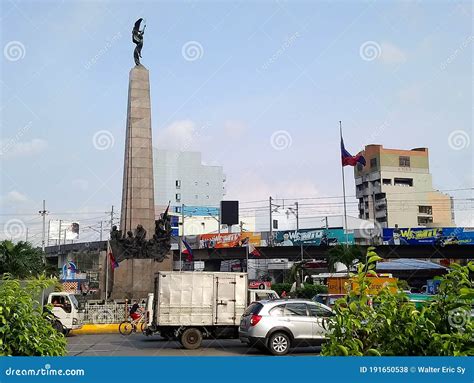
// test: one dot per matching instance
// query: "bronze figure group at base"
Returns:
(135, 245)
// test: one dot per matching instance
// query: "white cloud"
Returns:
(234, 129)
(182, 135)
(391, 54)
(12, 148)
(15, 196)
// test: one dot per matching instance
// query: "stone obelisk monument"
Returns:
(138, 201)
(134, 278)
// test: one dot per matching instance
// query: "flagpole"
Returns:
(247, 257)
(343, 189)
(107, 271)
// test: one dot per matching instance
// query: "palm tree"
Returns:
(347, 255)
(21, 260)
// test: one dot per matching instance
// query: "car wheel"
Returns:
(191, 338)
(279, 344)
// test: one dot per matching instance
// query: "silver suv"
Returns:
(278, 325)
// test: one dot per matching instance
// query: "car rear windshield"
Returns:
(253, 309)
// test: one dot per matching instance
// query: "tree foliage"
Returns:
(347, 255)
(25, 330)
(389, 324)
(20, 260)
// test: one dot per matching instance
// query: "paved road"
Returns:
(140, 345)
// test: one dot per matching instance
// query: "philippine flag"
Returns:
(349, 159)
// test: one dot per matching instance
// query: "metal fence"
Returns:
(110, 312)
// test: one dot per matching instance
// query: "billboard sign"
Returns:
(70, 229)
(225, 240)
(439, 236)
(313, 237)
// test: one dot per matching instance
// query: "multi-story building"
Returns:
(395, 187)
(182, 179)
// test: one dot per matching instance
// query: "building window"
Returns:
(196, 196)
(207, 197)
(178, 197)
(195, 183)
(178, 184)
(387, 181)
(404, 161)
(177, 209)
(373, 163)
(403, 181)
(207, 183)
(423, 221)
(275, 224)
(425, 210)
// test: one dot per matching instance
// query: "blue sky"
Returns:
(396, 73)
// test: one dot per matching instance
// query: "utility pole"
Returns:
(59, 236)
(26, 235)
(43, 214)
(180, 240)
(112, 217)
(100, 235)
(271, 222)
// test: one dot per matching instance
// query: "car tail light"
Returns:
(255, 319)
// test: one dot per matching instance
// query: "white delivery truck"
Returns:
(188, 306)
(65, 310)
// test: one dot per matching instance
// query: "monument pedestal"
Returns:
(135, 278)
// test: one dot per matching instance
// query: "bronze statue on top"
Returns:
(137, 38)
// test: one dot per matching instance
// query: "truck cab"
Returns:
(66, 310)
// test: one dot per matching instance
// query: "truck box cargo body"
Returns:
(189, 306)
(199, 298)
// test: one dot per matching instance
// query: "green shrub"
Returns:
(392, 325)
(25, 329)
(280, 287)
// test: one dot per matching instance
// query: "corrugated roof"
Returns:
(408, 264)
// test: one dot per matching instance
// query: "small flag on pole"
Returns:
(187, 251)
(349, 159)
(253, 250)
(110, 255)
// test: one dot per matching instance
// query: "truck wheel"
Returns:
(58, 326)
(279, 344)
(191, 338)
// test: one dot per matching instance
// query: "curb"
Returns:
(97, 329)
